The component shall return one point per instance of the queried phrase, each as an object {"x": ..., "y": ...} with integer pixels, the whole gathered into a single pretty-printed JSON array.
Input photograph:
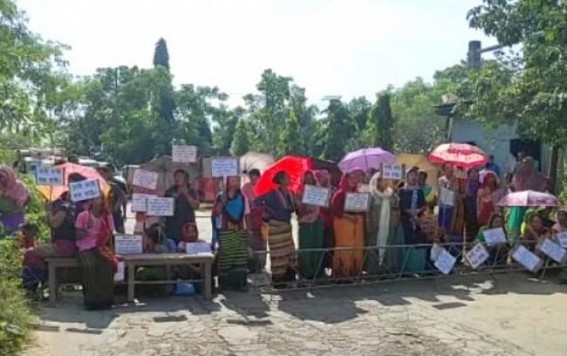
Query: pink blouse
[{"x": 94, "y": 227}]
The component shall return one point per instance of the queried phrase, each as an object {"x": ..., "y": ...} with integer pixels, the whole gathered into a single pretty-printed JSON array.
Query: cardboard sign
[
  {"x": 446, "y": 197},
  {"x": 49, "y": 175},
  {"x": 184, "y": 154},
  {"x": 224, "y": 167},
  {"x": 357, "y": 202},
  {"x": 157, "y": 206},
  {"x": 477, "y": 256},
  {"x": 317, "y": 196},
  {"x": 195, "y": 248},
  {"x": 494, "y": 236},
  {"x": 120, "y": 272},
  {"x": 392, "y": 171},
  {"x": 128, "y": 244},
  {"x": 527, "y": 259},
  {"x": 562, "y": 238},
  {"x": 84, "y": 190},
  {"x": 140, "y": 202},
  {"x": 553, "y": 251},
  {"x": 145, "y": 179},
  {"x": 435, "y": 251},
  {"x": 445, "y": 261}
]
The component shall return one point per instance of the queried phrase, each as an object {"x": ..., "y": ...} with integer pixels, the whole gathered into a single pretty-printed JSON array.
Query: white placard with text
[
  {"x": 145, "y": 179},
  {"x": 357, "y": 202},
  {"x": 477, "y": 256},
  {"x": 49, "y": 175},
  {"x": 84, "y": 190},
  {"x": 446, "y": 197},
  {"x": 445, "y": 261},
  {"x": 562, "y": 239},
  {"x": 317, "y": 196},
  {"x": 158, "y": 206},
  {"x": 140, "y": 202},
  {"x": 125, "y": 244},
  {"x": 195, "y": 248},
  {"x": 494, "y": 237},
  {"x": 120, "y": 272},
  {"x": 553, "y": 251},
  {"x": 527, "y": 258},
  {"x": 392, "y": 171},
  {"x": 224, "y": 167},
  {"x": 184, "y": 154}
]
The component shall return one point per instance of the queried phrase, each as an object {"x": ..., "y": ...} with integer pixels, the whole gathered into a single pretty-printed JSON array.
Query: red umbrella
[
  {"x": 461, "y": 155},
  {"x": 295, "y": 167}
]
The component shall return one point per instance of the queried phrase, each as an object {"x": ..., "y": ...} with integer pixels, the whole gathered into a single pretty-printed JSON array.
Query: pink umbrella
[
  {"x": 461, "y": 155},
  {"x": 529, "y": 198},
  {"x": 366, "y": 158}
]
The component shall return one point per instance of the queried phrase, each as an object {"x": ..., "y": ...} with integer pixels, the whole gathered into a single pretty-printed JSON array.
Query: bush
[{"x": 15, "y": 308}]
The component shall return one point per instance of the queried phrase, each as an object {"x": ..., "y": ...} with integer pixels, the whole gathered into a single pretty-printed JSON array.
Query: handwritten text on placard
[
  {"x": 140, "y": 201},
  {"x": 145, "y": 179},
  {"x": 84, "y": 190},
  {"x": 494, "y": 236},
  {"x": 224, "y": 167},
  {"x": 445, "y": 262},
  {"x": 128, "y": 244},
  {"x": 392, "y": 171},
  {"x": 357, "y": 202},
  {"x": 184, "y": 154},
  {"x": 317, "y": 196},
  {"x": 160, "y": 206},
  {"x": 477, "y": 256},
  {"x": 562, "y": 238},
  {"x": 527, "y": 258},
  {"x": 553, "y": 251},
  {"x": 197, "y": 248},
  {"x": 49, "y": 175}
]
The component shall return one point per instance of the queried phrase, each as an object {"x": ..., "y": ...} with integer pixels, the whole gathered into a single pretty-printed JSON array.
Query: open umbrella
[
  {"x": 295, "y": 167},
  {"x": 366, "y": 158},
  {"x": 255, "y": 160},
  {"x": 51, "y": 193},
  {"x": 461, "y": 155},
  {"x": 529, "y": 198}
]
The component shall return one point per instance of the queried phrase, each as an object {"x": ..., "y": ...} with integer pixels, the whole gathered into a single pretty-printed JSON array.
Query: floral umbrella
[
  {"x": 461, "y": 155},
  {"x": 529, "y": 198},
  {"x": 366, "y": 158}
]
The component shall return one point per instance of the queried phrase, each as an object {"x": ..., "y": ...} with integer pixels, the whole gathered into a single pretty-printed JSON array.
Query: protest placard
[
  {"x": 196, "y": 248},
  {"x": 446, "y": 197},
  {"x": 562, "y": 238},
  {"x": 49, "y": 175},
  {"x": 157, "y": 206},
  {"x": 128, "y": 244},
  {"x": 84, "y": 190},
  {"x": 184, "y": 154},
  {"x": 392, "y": 171},
  {"x": 317, "y": 196},
  {"x": 140, "y": 201},
  {"x": 527, "y": 259},
  {"x": 224, "y": 167},
  {"x": 477, "y": 256},
  {"x": 553, "y": 251},
  {"x": 445, "y": 262},
  {"x": 119, "y": 275},
  {"x": 494, "y": 236},
  {"x": 357, "y": 202},
  {"x": 145, "y": 179}
]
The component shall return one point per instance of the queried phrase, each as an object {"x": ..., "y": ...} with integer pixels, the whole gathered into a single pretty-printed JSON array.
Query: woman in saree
[
  {"x": 230, "y": 212},
  {"x": 428, "y": 191},
  {"x": 472, "y": 185},
  {"x": 310, "y": 234},
  {"x": 280, "y": 205},
  {"x": 256, "y": 243},
  {"x": 326, "y": 214},
  {"x": 452, "y": 213},
  {"x": 13, "y": 200},
  {"x": 349, "y": 231},
  {"x": 186, "y": 202},
  {"x": 380, "y": 223},
  {"x": 527, "y": 178},
  {"x": 94, "y": 230},
  {"x": 412, "y": 206},
  {"x": 535, "y": 233},
  {"x": 488, "y": 196},
  {"x": 560, "y": 225}
]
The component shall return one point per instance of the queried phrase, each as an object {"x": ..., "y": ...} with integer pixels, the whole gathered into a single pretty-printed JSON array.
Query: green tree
[
  {"x": 290, "y": 140},
  {"x": 241, "y": 140},
  {"x": 161, "y": 54},
  {"x": 526, "y": 87},
  {"x": 382, "y": 122},
  {"x": 336, "y": 129}
]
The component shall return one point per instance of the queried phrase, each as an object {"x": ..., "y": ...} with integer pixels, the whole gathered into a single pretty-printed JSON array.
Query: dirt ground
[{"x": 498, "y": 315}]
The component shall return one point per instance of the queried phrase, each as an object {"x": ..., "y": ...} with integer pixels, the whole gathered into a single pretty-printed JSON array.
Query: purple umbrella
[
  {"x": 529, "y": 198},
  {"x": 366, "y": 158}
]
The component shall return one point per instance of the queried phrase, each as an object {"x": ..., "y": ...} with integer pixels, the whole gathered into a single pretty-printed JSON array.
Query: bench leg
[
  {"x": 52, "y": 282},
  {"x": 131, "y": 281},
  {"x": 206, "y": 274}
]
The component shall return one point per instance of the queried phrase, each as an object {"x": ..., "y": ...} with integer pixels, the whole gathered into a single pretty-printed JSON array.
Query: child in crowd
[
  {"x": 190, "y": 235},
  {"x": 28, "y": 237}
]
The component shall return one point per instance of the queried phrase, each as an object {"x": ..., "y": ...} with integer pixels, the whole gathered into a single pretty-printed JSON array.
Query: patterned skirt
[
  {"x": 282, "y": 251},
  {"x": 232, "y": 258}
]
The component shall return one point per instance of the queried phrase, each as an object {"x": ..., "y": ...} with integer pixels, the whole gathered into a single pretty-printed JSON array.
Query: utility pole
[{"x": 474, "y": 58}]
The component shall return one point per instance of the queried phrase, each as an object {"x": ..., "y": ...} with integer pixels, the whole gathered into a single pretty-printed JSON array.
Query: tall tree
[
  {"x": 241, "y": 140},
  {"x": 290, "y": 141},
  {"x": 383, "y": 122},
  {"x": 161, "y": 54},
  {"x": 337, "y": 129}
]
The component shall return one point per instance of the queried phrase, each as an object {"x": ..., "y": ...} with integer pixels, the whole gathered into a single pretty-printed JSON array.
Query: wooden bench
[{"x": 131, "y": 262}]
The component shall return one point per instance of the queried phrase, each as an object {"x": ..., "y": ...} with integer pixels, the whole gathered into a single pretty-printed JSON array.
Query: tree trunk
[{"x": 553, "y": 165}]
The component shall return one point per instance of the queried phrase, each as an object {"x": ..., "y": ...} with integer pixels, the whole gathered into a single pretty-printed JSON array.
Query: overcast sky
[{"x": 330, "y": 47}]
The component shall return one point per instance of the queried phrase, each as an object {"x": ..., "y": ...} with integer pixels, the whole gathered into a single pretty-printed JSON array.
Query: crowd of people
[{"x": 404, "y": 219}]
